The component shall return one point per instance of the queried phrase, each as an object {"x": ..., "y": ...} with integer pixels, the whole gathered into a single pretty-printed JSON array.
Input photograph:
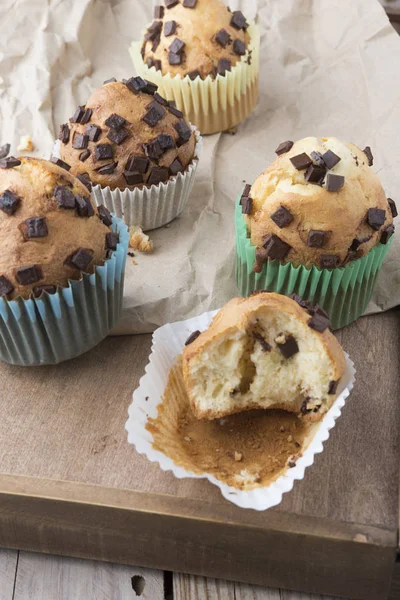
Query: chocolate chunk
[
  {"x": 117, "y": 136},
  {"x": 84, "y": 155},
  {"x": 317, "y": 158},
  {"x": 184, "y": 132},
  {"x": 158, "y": 175},
  {"x": 156, "y": 43},
  {"x": 176, "y": 167},
  {"x": 154, "y": 115},
  {"x": 6, "y": 287},
  {"x": 158, "y": 12},
  {"x": 84, "y": 207},
  {"x": 65, "y": 198},
  {"x": 239, "y": 47},
  {"x": 282, "y": 217},
  {"x": 107, "y": 169},
  {"x": 358, "y": 241},
  {"x": 166, "y": 141},
  {"x": 189, "y": 3},
  {"x": 223, "y": 38},
  {"x": 246, "y": 192},
  {"x": 157, "y": 64},
  {"x": 261, "y": 257},
  {"x": 368, "y": 153},
  {"x": 64, "y": 133},
  {"x": 80, "y": 142},
  {"x": 158, "y": 98},
  {"x": 114, "y": 121},
  {"x": 264, "y": 344},
  {"x": 93, "y": 132},
  {"x": 276, "y": 248},
  {"x": 319, "y": 320},
  {"x": 103, "y": 152},
  {"x": 192, "y": 337},
  {"x": 194, "y": 74},
  {"x": 9, "y": 202},
  {"x": 330, "y": 159},
  {"x": 289, "y": 348},
  {"x": 111, "y": 80},
  {"x": 329, "y": 261},
  {"x": 105, "y": 215},
  {"x": 138, "y": 164},
  {"x": 137, "y": 84},
  {"x": 112, "y": 240},
  {"x": 133, "y": 178},
  {"x": 387, "y": 234},
  {"x": 224, "y": 64},
  {"x": 41, "y": 289},
  {"x": 153, "y": 150},
  {"x": 376, "y": 218},
  {"x": 177, "y": 46},
  {"x": 355, "y": 158},
  {"x": 78, "y": 115},
  {"x": 171, "y": 3},
  {"x": 304, "y": 410},
  {"x": 85, "y": 179},
  {"x": 150, "y": 62},
  {"x": 29, "y": 275},
  {"x": 334, "y": 182},
  {"x": 315, "y": 174},
  {"x": 284, "y": 147},
  {"x": 36, "y": 227},
  {"x": 393, "y": 208},
  {"x": 169, "y": 28},
  {"x": 175, "y": 111},
  {"x": 301, "y": 161},
  {"x": 333, "y": 385},
  {"x": 247, "y": 205},
  {"x": 238, "y": 20},
  {"x": 9, "y": 162},
  {"x": 306, "y": 304},
  {"x": 317, "y": 238},
  {"x": 81, "y": 259},
  {"x": 153, "y": 32},
  {"x": 174, "y": 59},
  {"x": 87, "y": 115},
  {"x": 60, "y": 163}
]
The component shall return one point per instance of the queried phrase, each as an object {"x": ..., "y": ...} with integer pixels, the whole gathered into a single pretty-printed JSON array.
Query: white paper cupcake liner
[
  {"x": 168, "y": 344},
  {"x": 213, "y": 104}
]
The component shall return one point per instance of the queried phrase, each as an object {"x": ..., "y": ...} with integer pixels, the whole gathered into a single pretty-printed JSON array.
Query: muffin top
[
  {"x": 127, "y": 136},
  {"x": 195, "y": 38},
  {"x": 319, "y": 203},
  {"x": 50, "y": 228}
]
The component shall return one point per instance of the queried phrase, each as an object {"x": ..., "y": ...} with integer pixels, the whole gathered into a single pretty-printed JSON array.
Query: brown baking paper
[{"x": 330, "y": 67}]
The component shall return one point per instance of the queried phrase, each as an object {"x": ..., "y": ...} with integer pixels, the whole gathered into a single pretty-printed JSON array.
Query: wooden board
[{"x": 71, "y": 485}]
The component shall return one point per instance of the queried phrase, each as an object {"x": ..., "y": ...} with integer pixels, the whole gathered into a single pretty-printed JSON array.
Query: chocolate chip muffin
[
  {"x": 51, "y": 229},
  {"x": 127, "y": 136},
  {"x": 196, "y": 38},
  {"x": 320, "y": 211}
]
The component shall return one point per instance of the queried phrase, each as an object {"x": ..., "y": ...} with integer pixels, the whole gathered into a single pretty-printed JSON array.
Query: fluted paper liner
[
  {"x": 343, "y": 292},
  {"x": 57, "y": 327},
  {"x": 213, "y": 104},
  {"x": 168, "y": 344}
]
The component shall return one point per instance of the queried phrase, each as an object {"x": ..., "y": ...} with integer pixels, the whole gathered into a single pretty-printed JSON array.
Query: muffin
[
  {"x": 137, "y": 150},
  {"x": 264, "y": 352},
  {"x": 61, "y": 268},
  {"x": 316, "y": 223},
  {"x": 204, "y": 57}
]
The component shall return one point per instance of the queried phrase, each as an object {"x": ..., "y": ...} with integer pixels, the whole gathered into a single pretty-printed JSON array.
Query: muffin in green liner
[{"x": 315, "y": 229}]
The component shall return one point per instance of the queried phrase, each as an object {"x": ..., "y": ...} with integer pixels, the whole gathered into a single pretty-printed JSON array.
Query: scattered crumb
[
  {"x": 134, "y": 261},
  {"x": 231, "y": 131},
  {"x": 131, "y": 254},
  {"x": 139, "y": 240},
  {"x": 292, "y": 464},
  {"x": 238, "y": 456},
  {"x": 147, "y": 398},
  {"x": 280, "y": 339},
  {"x": 25, "y": 144}
]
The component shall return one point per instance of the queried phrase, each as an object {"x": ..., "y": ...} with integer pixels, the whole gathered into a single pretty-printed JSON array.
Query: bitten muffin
[
  {"x": 196, "y": 38},
  {"x": 51, "y": 230},
  {"x": 127, "y": 136},
  {"x": 319, "y": 203},
  {"x": 266, "y": 351}
]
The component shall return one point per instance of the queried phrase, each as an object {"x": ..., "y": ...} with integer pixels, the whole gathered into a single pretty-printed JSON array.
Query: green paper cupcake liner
[
  {"x": 343, "y": 292},
  {"x": 60, "y": 326}
]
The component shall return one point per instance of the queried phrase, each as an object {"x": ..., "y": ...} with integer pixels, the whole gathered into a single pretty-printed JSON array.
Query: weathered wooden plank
[
  {"x": 61, "y": 578},
  {"x": 253, "y": 592},
  {"x": 8, "y": 569},
  {"x": 190, "y": 587}
]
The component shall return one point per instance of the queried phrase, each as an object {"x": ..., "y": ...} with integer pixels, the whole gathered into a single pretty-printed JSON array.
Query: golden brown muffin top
[
  {"x": 127, "y": 136},
  {"x": 319, "y": 203},
  {"x": 195, "y": 38},
  {"x": 51, "y": 230}
]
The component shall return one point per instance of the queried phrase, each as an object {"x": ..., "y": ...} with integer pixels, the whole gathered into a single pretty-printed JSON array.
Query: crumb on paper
[
  {"x": 238, "y": 456},
  {"x": 25, "y": 144},
  {"x": 131, "y": 254},
  {"x": 231, "y": 131},
  {"x": 139, "y": 240},
  {"x": 133, "y": 261}
]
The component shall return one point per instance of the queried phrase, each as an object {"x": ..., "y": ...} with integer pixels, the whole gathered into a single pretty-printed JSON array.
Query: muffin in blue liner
[{"x": 60, "y": 326}]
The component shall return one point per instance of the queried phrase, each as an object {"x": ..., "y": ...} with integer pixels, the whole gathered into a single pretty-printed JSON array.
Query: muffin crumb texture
[
  {"x": 51, "y": 230},
  {"x": 320, "y": 203},
  {"x": 127, "y": 136},
  {"x": 196, "y": 38}
]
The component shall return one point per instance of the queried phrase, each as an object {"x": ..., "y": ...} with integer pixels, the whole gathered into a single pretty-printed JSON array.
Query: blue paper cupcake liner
[{"x": 57, "y": 327}]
